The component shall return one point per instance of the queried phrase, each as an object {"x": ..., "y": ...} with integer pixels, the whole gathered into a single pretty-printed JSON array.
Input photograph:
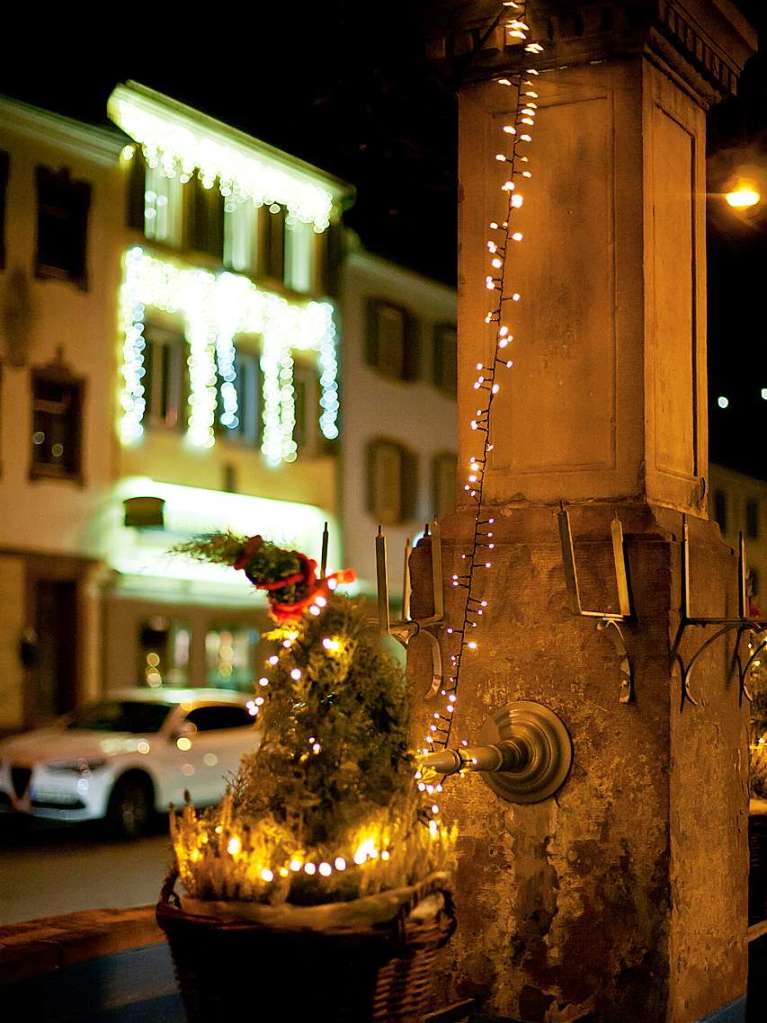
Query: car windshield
[{"x": 120, "y": 716}]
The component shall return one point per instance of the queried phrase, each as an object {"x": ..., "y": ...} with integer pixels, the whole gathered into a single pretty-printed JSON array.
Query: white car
[{"x": 128, "y": 755}]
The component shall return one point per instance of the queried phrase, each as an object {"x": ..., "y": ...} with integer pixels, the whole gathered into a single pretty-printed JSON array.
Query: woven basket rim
[{"x": 329, "y": 918}]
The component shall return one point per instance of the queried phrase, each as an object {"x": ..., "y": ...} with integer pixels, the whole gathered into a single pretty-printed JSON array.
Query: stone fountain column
[{"x": 624, "y": 897}]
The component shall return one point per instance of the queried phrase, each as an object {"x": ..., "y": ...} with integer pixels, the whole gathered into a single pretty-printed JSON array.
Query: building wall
[
  {"x": 414, "y": 413},
  {"x": 46, "y": 540},
  {"x": 738, "y": 491}
]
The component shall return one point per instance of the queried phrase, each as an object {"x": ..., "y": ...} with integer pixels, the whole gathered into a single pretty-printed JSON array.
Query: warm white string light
[
  {"x": 478, "y": 559},
  {"x": 214, "y": 308}
]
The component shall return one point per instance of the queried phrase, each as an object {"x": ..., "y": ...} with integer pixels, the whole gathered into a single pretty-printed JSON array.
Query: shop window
[
  {"x": 164, "y": 649},
  {"x": 273, "y": 230},
  {"x": 57, "y": 401},
  {"x": 4, "y": 168},
  {"x": 752, "y": 520},
  {"x": 300, "y": 257},
  {"x": 164, "y": 377},
  {"x": 240, "y": 400},
  {"x": 307, "y": 408},
  {"x": 241, "y": 236},
  {"x": 163, "y": 207},
  {"x": 391, "y": 482},
  {"x": 213, "y": 719},
  {"x": 720, "y": 509},
  {"x": 230, "y": 656},
  {"x": 206, "y": 218},
  {"x": 392, "y": 340},
  {"x": 62, "y": 226},
  {"x": 445, "y": 358},
  {"x": 444, "y": 469}
]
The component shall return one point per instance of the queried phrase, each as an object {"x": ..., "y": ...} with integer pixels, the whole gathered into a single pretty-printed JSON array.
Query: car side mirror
[{"x": 185, "y": 730}]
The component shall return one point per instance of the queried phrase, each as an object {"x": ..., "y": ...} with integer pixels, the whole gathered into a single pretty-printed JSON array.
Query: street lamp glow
[{"x": 742, "y": 198}]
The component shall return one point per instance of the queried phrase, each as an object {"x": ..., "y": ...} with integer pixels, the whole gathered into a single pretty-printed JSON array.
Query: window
[
  {"x": 444, "y": 469},
  {"x": 57, "y": 401},
  {"x": 273, "y": 225},
  {"x": 445, "y": 358},
  {"x": 300, "y": 257},
  {"x": 392, "y": 340},
  {"x": 239, "y": 400},
  {"x": 720, "y": 509},
  {"x": 211, "y": 719},
  {"x": 120, "y": 716},
  {"x": 4, "y": 168},
  {"x": 752, "y": 519},
  {"x": 164, "y": 650},
  {"x": 62, "y": 226},
  {"x": 241, "y": 236},
  {"x": 392, "y": 483},
  {"x": 163, "y": 207},
  {"x": 306, "y": 406},
  {"x": 206, "y": 218},
  {"x": 753, "y": 582},
  {"x": 164, "y": 377},
  {"x": 230, "y": 656}
]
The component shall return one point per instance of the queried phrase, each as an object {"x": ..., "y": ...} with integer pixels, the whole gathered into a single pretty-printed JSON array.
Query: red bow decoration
[{"x": 306, "y": 578}]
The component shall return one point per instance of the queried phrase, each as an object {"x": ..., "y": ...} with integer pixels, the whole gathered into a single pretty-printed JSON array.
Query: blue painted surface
[
  {"x": 129, "y": 987},
  {"x": 735, "y": 1012}
]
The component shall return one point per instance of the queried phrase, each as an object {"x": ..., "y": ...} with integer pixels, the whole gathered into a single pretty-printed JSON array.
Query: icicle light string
[{"x": 504, "y": 237}]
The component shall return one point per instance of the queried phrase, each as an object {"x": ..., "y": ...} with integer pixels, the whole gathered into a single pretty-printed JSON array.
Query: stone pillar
[{"x": 624, "y": 897}]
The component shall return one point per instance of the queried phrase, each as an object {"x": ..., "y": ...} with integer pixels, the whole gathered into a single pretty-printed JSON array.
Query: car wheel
[{"x": 130, "y": 807}]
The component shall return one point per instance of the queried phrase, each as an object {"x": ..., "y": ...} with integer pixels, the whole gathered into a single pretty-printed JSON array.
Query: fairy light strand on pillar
[{"x": 504, "y": 236}]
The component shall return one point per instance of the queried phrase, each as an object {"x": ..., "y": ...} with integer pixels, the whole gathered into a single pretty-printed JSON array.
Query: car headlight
[{"x": 77, "y": 766}]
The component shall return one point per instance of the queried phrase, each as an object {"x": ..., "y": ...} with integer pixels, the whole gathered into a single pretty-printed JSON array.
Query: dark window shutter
[
  {"x": 752, "y": 520},
  {"x": 371, "y": 333},
  {"x": 409, "y": 501},
  {"x": 206, "y": 228},
  {"x": 136, "y": 190},
  {"x": 411, "y": 368},
  {"x": 62, "y": 226},
  {"x": 720, "y": 509},
  {"x": 330, "y": 257},
  {"x": 274, "y": 244},
  {"x": 4, "y": 168}
]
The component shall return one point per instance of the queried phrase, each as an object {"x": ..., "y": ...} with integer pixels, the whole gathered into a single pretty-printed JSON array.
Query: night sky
[{"x": 346, "y": 86}]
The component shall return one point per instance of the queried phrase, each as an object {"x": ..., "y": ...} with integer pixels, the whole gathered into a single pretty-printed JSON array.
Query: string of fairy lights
[{"x": 504, "y": 236}]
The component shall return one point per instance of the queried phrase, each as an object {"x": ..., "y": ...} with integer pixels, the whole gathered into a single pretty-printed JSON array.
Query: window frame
[
  {"x": 446, "y": 386},
  {"x": 244, "y": 349},
  {"x": 173, "y": 338},
  {"x": 409, "y": 368},
  {"x": 407, "y": 509},
  {"x": 76, "y": 211},
  {"x": 60, "y": 374},
  {"x": 438, "y": 459}
]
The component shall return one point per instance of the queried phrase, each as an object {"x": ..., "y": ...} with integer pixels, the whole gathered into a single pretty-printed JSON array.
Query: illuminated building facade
[
  {"x": 227, "y": 391},
  {"x": 399, "y": 408},
  {"x": 60, "y": 227},
  {"x": 738, "y": 504}
]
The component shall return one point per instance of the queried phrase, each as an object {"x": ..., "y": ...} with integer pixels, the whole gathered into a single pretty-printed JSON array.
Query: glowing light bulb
[
  {"x": 325, "y": 869},
  {"x": 340, "y": 863},
  {"x": 234, "y": 845},
  {"x": 267, "y": 875},
  {"x": 742, "y": 197},
  {"x": 722, "y": 402},
  {"x": 295, "y": 674}
]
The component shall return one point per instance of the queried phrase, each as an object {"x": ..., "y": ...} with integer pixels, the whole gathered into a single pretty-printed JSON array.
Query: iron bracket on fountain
[
  {"x": 755, "y": 629},
  {"x": 525, "y": 753},
  {"x": 608, "y": 621},
  {"x": 406, "y": 628}
]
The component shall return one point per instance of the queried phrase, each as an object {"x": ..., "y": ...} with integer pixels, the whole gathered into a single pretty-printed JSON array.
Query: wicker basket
[{"x": 229, "y": 968}]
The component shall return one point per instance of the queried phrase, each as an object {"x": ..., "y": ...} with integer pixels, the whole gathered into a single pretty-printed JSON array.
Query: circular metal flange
[{"x": 547, "y": 743}]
